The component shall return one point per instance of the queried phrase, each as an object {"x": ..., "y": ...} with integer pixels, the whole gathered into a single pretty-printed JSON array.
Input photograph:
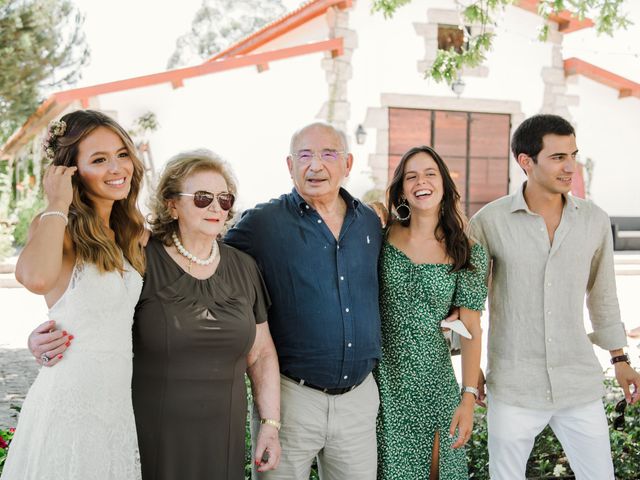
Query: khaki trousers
[{"x": 338, "y": 430}]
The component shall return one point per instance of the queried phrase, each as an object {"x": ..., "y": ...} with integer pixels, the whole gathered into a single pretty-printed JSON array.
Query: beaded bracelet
[{"x": 57, "y": 214}]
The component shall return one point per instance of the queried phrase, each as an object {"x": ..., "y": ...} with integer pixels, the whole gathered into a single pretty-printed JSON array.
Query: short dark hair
[{"x": 527, "y": 138}]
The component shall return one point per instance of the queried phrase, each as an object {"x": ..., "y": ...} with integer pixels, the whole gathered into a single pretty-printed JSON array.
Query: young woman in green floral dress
[{"x": 427, "y": 267}]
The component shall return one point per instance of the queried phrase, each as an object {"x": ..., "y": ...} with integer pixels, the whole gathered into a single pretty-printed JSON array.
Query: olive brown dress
[
  {"x": 418, "y": 388},
  {"x": 190, "y": 342}
]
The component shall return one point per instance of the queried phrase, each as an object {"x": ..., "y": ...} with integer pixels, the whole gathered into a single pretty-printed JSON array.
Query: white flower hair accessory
[{"x": 56, "y": 130}]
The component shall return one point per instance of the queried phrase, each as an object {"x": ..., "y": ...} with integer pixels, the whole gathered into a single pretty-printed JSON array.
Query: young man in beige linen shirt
[{"x": 549, "y": 249}]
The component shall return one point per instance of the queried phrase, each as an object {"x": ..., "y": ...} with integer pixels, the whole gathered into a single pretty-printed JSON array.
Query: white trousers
[{"x": 582, "y": 430}]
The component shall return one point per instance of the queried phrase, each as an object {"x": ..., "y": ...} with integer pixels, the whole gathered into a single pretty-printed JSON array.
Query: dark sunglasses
[
  {"x": 618, "y": 422},
  {"x": 202, "y": 199}
]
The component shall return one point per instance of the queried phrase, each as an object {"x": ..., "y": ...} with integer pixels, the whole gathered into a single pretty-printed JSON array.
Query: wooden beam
[
  {"x": 178, "y": 75},
  {"x": 625, "y": 87},
  {"x": 567, "y": 23},
  {"x": 280, "y": 27}
]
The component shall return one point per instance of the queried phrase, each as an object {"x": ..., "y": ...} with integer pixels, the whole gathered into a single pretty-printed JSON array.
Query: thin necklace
[{"x": 191, "y": 257}]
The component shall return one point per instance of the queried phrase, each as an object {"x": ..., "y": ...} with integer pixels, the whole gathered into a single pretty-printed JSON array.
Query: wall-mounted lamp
[
  {"x": 458, "y": 86},
  {"x": 361, "y": 134}
]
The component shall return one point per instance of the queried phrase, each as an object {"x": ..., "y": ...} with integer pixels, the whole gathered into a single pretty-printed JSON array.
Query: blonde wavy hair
[
  {"x": 177, "y": 169},
  {"x": 89, "y": 236}
]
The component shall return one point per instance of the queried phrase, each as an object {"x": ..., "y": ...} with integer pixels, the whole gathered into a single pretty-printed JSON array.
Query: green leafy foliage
[
  {"x": 41, "y": 47},
  {"x": 448, "y": 64},
  {"x": 26, "y": 209}
]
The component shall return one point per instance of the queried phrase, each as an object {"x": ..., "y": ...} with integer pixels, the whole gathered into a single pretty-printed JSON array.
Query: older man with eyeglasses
[{"x": 318, "y": 247}]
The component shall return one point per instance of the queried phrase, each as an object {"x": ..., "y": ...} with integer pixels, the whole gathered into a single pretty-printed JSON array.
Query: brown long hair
[
  {"x": 451, "y": 222},
  {"x": 90, "y": 239}
]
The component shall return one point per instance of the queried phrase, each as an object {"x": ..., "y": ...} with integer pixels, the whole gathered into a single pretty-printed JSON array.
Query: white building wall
[
  {"x": 244, "y": 116},
  {"x": 607, "y": 132},
  {"x": 390, "y": 49},
  {"x": 249, "y": 117}
]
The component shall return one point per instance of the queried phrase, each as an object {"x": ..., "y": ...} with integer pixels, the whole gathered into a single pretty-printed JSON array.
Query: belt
[{"x": 328, "y": 391}]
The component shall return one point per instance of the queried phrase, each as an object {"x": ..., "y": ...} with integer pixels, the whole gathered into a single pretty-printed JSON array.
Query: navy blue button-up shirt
[{"x": 324, "y": 316}]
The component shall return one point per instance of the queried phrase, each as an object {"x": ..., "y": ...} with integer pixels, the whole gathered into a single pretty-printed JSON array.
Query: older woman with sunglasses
[{"x": 199, "y": 325}]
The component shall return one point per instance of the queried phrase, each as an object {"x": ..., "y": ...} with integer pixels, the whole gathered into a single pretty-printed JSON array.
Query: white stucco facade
[{"x": 248, "y": 117}]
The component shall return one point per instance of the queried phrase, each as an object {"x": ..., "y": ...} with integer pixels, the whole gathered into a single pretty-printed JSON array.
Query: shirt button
[
  {"x": 349, "y": 344},
  {"x": 319, "y": 221},
  {"x": 345, "y": 377},
  {"x": 338, "y": 247},
  {"x": 307, "y": 207},
  {"x": 549, "y": 340},
  {"x": 341, "y": 277},
  {"x": 548, "y": 391},
  {"x": 550, "y": 368},
  {"x": 548, "y": 284},
  {"x": 542, "y": 229},
  {"x": 346, "y": 309},
  {"x": 549, "y": 312}
]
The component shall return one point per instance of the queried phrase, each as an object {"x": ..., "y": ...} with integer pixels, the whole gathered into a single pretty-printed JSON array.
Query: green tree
[
  {"x": 219, "y": 23},
  {"x": 41, "y": 47},
  {"x": 607, "y": 14}
]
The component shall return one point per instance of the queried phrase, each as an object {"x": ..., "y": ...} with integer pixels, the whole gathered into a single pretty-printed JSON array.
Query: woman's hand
[
  {"x": 47, "y": 340},
  {"x": 58, "y": 187},
  {"x": 463, "y": 420},
  {"x": 267, "y": 448}
]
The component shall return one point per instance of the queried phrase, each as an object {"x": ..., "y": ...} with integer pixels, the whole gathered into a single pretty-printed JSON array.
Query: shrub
[
  {"x": 5, "y": 440},
  {"x": 26, "y": 209}
]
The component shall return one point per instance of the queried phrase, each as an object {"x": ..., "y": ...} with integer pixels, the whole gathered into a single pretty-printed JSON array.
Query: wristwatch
[
  {"x": 472, "y": 390},
  {"x": 621, "y": 358}
]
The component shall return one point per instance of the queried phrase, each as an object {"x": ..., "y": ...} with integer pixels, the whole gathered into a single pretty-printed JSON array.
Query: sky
[
  {"x": 136, "y": 37},
  {"x": 128, "y": 38}
]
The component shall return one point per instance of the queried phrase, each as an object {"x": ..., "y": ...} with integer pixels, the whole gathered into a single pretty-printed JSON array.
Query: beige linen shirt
[{"x": 540, "y": 355}]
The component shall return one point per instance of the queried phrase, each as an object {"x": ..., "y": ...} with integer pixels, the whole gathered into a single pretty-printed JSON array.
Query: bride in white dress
[{"x": 84, "y": 256}]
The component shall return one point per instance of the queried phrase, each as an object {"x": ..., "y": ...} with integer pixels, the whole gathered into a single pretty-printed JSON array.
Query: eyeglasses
[
  {"x": 326, "y": 155},
  {"x": 203, "y": 199},
  {"x": 618, "y": 422}
]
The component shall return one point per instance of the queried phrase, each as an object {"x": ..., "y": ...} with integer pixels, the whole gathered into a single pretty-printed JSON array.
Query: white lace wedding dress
[{"x": 77, "y": 420}]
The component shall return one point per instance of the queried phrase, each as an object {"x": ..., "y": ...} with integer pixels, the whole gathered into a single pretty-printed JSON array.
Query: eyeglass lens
[{"x": 203, "y": 199}]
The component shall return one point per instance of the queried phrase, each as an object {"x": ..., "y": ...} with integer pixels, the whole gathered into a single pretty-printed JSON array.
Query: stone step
[
  {"x": 631, "y": 258},
  {"x": 628, "y": 269}
]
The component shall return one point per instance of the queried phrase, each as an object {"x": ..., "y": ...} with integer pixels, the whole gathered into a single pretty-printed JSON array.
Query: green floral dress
[{"x": 418, "y": 388}]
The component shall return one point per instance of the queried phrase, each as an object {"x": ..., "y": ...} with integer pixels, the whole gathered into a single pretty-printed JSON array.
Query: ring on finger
[{"x": 45, "y": 358}]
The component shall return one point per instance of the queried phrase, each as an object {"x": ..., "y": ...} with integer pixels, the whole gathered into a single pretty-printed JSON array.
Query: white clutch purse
[{"x": 456, "y": 330}]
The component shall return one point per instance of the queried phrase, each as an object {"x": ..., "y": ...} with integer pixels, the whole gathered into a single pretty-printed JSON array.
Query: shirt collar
[
  {"x": 302, "y": 206},
  {"x": 518, "y": 203}
]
